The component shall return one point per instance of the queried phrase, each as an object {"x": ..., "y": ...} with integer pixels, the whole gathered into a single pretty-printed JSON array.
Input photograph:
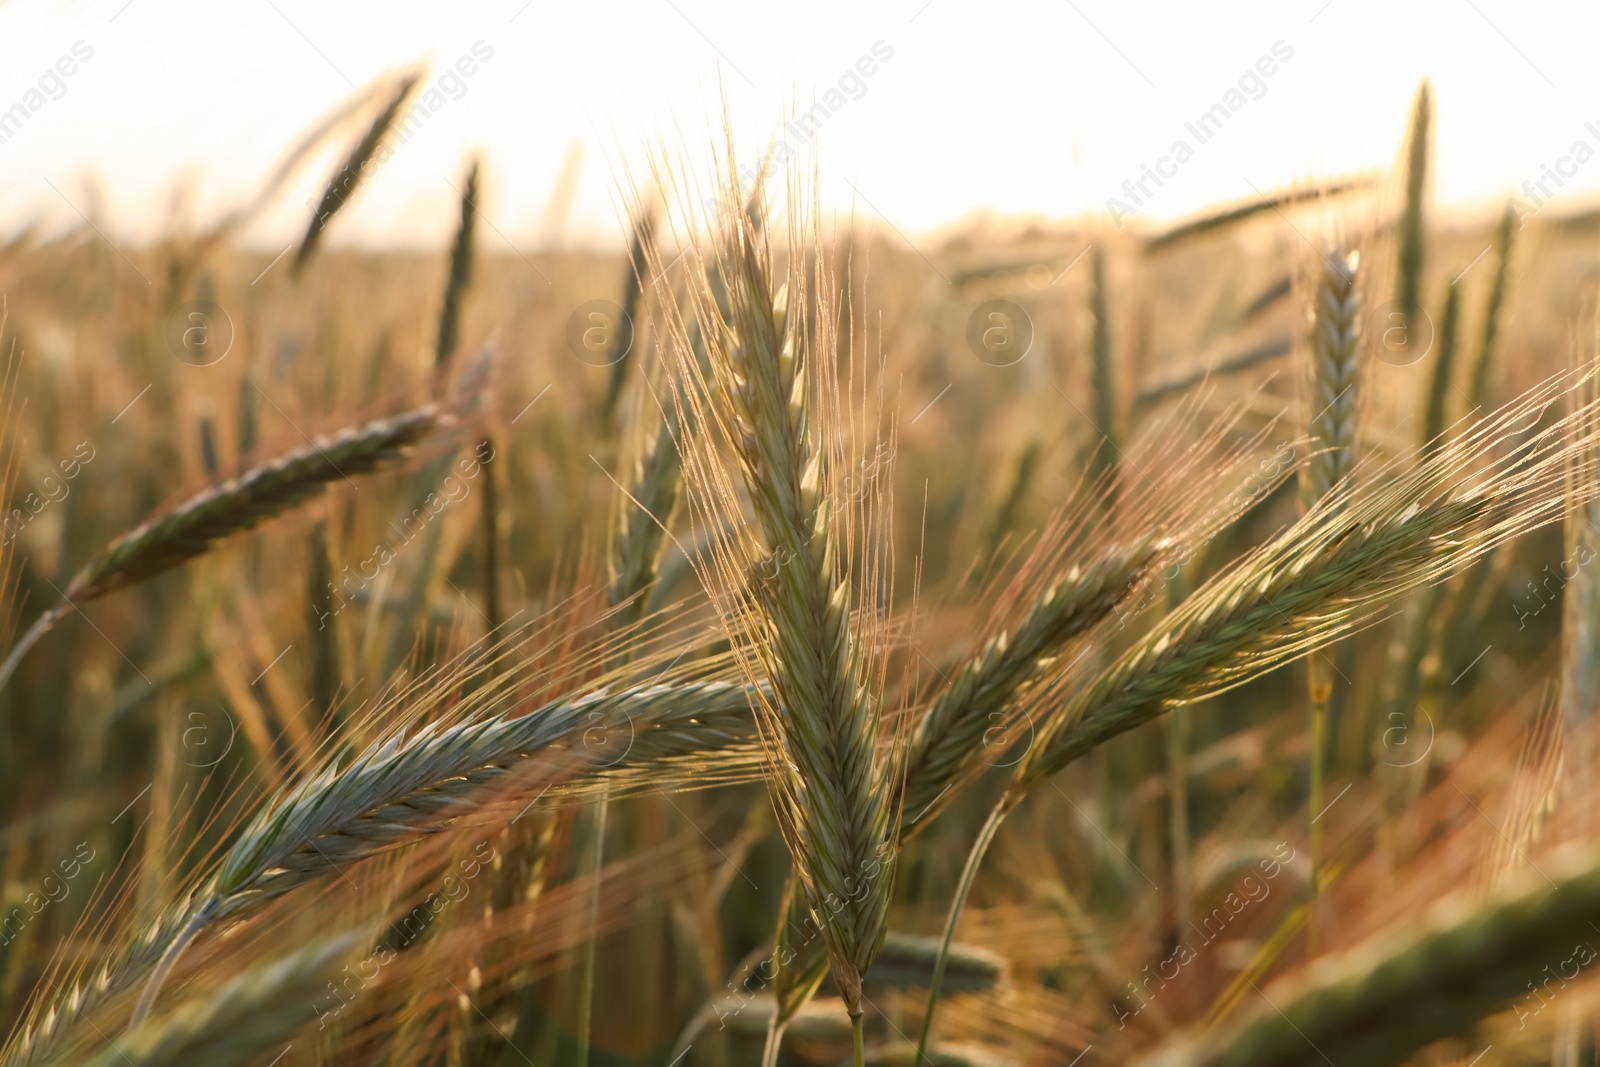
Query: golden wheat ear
[{"x": 196, "y": 525}]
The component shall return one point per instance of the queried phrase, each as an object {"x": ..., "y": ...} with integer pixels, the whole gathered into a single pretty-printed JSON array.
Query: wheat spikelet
[
  {"x": 1328, "y": 574},
  {"x": 632, "y": 290},
  {"x": 460, "y": 273},
  {"x": 191, "y": 528},
  {"x": 949, "y": 738},
  {"x": 1335, "y": 374},
  {"x": 1386, "y": 999},
  {"x": 342, "y": 186},
  {"x": 411, "y": 785},
  {"x": 771, "y": 358}
]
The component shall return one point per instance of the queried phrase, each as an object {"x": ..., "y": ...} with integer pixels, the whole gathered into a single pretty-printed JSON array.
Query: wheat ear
[
  {"x": 654, "y": 491},
  {"x": 1408, "y": 266},
  {"x": 1102, "y": 376},
  {"x": 342, "y": 186},
  {"x": 1335, "y": 374},
  {"x": 772, "y": 362},
  {"x": 1256, "y": 205},
  {"x": 632, "y": 290},
  {"x": 460, "y": 273},
  {"x": 1433, "y": 415},
  {"x": 1331, "y": 428},
  {"x": 412, "y": 785},
  {"x": 191, "y": 528},
  {"x": 949, "y": 739},
  {"x": 1005, "y": 516},
  {"x": 1388, "y": 998},
  {"x": 1325, "y": 576},
  {"x": 403, "y": 789},
  {"x": 1580, "y": 606}
]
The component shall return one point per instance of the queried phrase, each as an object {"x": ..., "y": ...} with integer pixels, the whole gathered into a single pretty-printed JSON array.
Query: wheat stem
[{"x": 969, "y": 873}]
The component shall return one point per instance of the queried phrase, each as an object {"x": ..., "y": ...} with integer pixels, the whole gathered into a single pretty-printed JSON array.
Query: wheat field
[{"x": 782, "y": 644}]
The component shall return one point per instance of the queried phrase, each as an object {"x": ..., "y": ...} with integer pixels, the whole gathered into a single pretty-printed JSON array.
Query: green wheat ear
[
  {"x": 764, "y": 398},
  {"x": 193, "y": 527}
]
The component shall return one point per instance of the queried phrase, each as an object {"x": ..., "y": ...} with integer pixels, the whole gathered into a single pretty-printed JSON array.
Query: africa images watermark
[
  {"x": 1254, "y": 889},
  {"x": 406, "y": 931},
  {"x": 1566, "y": 166},
  {"x": 850, "y": 86},
  {"x": 451, "y": 490},
  {"x": 16, "y": 919},
  {"x": 447, "y": 87},
  {"x": 52, "y": 85},
  {"x": 1206, "y": 126}
]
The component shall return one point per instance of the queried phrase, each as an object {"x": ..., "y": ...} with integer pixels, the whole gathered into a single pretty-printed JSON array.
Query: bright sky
[{"x": 1018, "y": 107}]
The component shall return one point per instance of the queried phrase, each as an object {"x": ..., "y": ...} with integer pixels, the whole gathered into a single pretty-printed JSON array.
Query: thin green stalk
[
  {"x": 1478, "y": 389},
  {"x": 856, "y": 1038},
  {"x": 586, "y": 983},
  {"x": 490, "y": 518},
  {"x": 775, "y": 1029},
  {"x": 1179, "y": 728},
  {"x": 969, "y": 873},
  {"x": 1321, "y": 684}
]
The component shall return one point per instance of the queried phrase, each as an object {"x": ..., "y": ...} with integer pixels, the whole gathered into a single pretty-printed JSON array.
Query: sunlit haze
[{"x": 1010, "y": 107}]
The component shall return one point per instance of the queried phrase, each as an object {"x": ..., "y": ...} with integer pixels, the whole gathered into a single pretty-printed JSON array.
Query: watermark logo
[
  {"x": 600, "y": 333},
  {"x": 1000, "y": 333},
  {"x": 1397, "y": 339},
  {"x": 200, "y": 333},
  {"x": 208, "y": 733},
  {"x": 1251, "y": 85},
  {"x": 1000, "y": 739},
  {"x": 1403, "y": 744}
]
